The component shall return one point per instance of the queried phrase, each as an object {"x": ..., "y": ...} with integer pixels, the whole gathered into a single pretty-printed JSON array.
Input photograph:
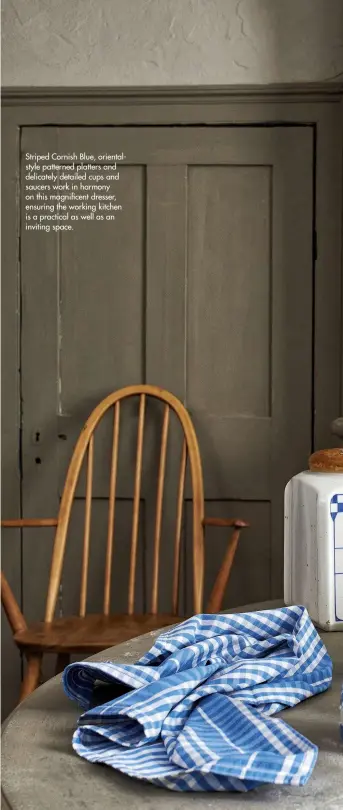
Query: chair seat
[{"x": 90, "y": 634}]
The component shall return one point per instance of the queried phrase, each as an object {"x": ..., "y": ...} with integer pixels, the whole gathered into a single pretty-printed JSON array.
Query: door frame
[{"x": 317, "y": 105}]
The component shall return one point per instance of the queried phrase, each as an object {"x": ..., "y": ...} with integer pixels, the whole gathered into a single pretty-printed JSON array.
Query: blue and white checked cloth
[{"x": 196, "y": 714}]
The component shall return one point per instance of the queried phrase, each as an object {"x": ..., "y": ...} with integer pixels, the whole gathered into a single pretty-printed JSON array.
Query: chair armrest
[
  {"x": 212, "y": 521},
  {"x": 22, "y": 523},
  {"x": 216, "y": 597}
]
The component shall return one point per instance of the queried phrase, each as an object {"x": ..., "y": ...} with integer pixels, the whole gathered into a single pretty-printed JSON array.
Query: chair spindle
[
  {"x": 179, "y": 526},
  {"x": 86, "y": 536},
  {"x": 111, "y": 510},
  {"x": 136, "y": 503},
  {"x": 159, "y": 502}
]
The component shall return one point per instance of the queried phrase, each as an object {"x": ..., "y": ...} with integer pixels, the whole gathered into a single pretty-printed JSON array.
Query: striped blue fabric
[{"x": 197, "y": 709}]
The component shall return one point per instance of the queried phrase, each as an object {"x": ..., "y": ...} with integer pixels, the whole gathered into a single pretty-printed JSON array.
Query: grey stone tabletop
[{"x": 40, "y": 770}]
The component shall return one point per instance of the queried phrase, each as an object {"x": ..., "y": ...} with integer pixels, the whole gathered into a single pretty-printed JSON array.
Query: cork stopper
[{"x": 327, "y": 461}]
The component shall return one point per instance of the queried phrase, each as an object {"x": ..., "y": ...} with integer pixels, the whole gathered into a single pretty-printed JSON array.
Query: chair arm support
[
  {"x": 9, "y": 602},
  {"x": 216, "y": 597},
  {"x": 22, "y": 523},
  {"x": 11, "y": 607}
]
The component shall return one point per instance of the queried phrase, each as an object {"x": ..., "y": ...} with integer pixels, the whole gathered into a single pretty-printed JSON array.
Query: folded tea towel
[{"x": 197, "y": 710}]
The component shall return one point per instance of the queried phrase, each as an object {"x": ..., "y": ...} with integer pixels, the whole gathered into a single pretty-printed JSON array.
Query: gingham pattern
[{"x": 198, "y": 713}]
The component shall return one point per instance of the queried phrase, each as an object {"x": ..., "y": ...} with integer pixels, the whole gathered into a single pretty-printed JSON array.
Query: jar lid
[{"x": 330, "y": 461}]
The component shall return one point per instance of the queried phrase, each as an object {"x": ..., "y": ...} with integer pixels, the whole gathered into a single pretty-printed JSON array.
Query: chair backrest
[{"x": 85, "y": 448}]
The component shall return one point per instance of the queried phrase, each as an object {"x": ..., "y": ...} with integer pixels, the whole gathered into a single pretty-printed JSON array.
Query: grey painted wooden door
[{"x": 203, "y": 286}]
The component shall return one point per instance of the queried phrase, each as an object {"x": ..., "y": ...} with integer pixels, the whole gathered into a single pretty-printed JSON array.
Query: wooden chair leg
[
  {"x": 31, "y": 677},
  {"x": 63, "y": 659}
]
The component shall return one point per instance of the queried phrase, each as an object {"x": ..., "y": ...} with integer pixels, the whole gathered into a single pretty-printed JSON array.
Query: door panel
[
  {"x": 229, "y": 309},
  {"x": 93, "y": 305},
  {"x": 203, "y": 286}
]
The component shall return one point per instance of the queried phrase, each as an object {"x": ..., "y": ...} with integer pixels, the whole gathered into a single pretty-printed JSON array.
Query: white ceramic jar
[{"x": 313, "y": 540}]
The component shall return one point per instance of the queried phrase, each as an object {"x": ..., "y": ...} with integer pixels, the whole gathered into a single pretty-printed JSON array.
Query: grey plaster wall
[{"x": 171, "y": 42}]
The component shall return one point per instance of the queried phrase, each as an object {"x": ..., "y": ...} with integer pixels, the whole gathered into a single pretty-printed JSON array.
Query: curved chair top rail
[{"x": 86, "y": 442}]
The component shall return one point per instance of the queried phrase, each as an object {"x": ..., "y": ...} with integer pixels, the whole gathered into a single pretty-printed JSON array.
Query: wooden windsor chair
[{"x": 90, "y": 633}]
